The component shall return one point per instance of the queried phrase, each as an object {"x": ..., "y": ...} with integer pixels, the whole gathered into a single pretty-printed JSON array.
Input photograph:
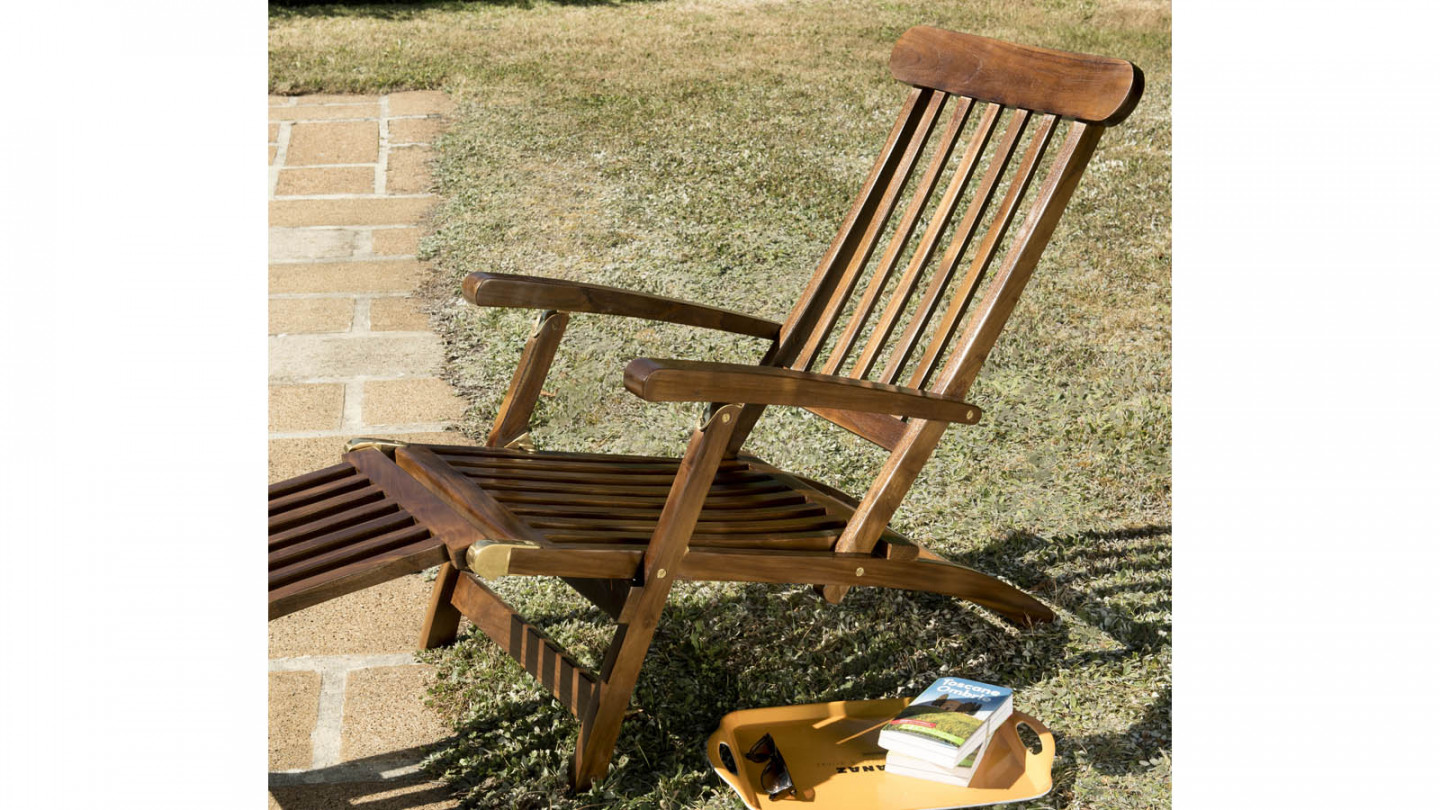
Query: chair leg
[
  {"x": 600, "y": 725},
  {"x": 442, "y": 619},
  {"x": 513, "y": 420}
]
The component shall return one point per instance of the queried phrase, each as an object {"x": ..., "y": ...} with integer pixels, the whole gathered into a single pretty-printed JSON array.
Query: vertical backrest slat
[
  {"x": 1041, "y": 88},
  {"x": 877, "y": 221},
  {"x": 891, "y": 257},
  {"x": 960, "y": 299},
  {"x": 964, "y": 232},
  {"x": 922, "y": 435},
  {"x": 928, "y": 242},
  {"x": 1004, "y": 291},
  {"x": 807, "y": 310}
]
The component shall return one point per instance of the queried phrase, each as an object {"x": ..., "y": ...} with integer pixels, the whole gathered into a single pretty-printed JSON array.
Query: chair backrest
[{"x": 983, "y": 114}]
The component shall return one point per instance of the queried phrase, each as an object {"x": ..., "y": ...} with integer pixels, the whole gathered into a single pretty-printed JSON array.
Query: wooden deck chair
[{"x": 622, "y": 529}]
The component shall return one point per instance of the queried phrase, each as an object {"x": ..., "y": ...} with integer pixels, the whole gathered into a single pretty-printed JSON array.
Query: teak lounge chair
[{"x": 622, "y": 529}]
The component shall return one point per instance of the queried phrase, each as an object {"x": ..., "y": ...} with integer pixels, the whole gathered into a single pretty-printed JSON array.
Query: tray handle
[
  {"x": 1034, "y": 763},
  {"x": 739, "y": 783}
]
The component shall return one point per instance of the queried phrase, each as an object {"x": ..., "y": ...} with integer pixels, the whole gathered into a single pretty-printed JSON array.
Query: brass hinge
[
  {"x": 521, "y": 442},
  {"x": 386, "y": 446},
  {"x": 490, "y": 559}
]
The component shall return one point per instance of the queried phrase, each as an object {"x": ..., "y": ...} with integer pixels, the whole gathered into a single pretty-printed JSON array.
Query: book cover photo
[{"x": 948, "y": 721}]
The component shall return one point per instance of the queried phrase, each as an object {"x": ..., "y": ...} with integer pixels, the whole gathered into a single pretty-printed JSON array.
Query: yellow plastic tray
[{"x": 833, "y": 754}]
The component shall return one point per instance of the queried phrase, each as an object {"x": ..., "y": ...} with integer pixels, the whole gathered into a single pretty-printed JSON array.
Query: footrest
[{"x": 356, "y": 524}]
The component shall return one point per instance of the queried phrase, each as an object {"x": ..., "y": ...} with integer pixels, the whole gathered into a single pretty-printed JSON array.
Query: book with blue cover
[{"x": 948, "y": 722}]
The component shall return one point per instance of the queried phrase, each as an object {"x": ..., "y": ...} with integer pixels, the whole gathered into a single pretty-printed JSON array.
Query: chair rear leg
[{"x": 442, "y": 619}]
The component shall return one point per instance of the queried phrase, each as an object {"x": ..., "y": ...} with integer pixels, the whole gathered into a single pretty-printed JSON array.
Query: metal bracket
[
  {"x": 522, "y": 442},
  {"x": 491, "y": 559},
  {"x": 386, "y": 446}
]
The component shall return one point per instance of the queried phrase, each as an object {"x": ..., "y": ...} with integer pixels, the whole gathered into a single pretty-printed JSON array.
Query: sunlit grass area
[{"x": 708, "y": 150}]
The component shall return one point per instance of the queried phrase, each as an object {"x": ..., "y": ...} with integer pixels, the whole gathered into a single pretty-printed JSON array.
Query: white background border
[{"x": 1306, "y": 444}]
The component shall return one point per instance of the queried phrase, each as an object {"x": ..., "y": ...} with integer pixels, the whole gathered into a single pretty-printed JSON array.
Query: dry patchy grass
[{"x": 707, "y": 150}]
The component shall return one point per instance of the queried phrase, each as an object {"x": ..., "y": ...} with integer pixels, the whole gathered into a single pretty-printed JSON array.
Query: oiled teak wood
[
  {"x": 500, "y": 290},
  {"x": 513, "y": 420},
  {"x": 885, "y": 341},
  {"x": 691, "y": 381}
]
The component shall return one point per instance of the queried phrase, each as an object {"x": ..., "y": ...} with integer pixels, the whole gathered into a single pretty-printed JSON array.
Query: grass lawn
[{"x": 707, "y": 150}]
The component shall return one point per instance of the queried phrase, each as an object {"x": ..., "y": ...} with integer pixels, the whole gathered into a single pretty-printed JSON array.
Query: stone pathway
[{"x": 350, "y": 355}]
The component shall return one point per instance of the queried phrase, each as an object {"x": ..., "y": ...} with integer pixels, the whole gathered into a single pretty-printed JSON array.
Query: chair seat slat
[
  {"x": 334, "y": 523},
  {"x": 314, "y": 546},
  {"x": 289, "y": 486},
  {"x": 745, "y": 501},
  {"x": 320, "y": 492},
  {"x": 411, "y": 536},
  {"x": 326, "y": 508}
]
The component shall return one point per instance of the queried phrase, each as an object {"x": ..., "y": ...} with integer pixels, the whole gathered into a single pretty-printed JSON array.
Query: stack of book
[{"x": 942, "y": 735}]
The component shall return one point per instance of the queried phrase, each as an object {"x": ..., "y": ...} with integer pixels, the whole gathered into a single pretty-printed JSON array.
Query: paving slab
[
  {"x": 397, "y": 315},
  {"x": 407, "y": 170},
  {"x": 327, "y": 113},
  {"x": 312, "y": 244},
  {"x": 334, "y": 98},
  {"x": 294, "y": 706},
  {"x": 420, "y": 102},
  {"x": 391, "y": 275},
  {"x": 308, "y": 315},
  {"x": 338, "y": 180},
  {"x": 385, "y": 711},
  {"x": 335, "y": 142},
  {"x": 306, "y": 407},
  {"x": 385, "y": 618},
  {"x": 408, "y": 402},
  {"x": 292, "y": 457},
  {"x": 415, "y": 130},
  {"x": 303, "y": 358},
  {"x": 373, "y": 211},
  {"x": 395, "y": 241},
  {"x": 411, "y": 793}
]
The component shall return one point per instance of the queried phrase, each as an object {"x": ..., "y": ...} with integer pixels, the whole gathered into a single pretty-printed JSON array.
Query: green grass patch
[{"x": 708, "y": 150}]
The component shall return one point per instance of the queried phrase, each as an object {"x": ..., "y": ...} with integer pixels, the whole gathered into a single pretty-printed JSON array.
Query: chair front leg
[
  {"x": 513, "y": 421},
  {"x": 600, "y": 724},
  {"x": 442, "y": 619}
]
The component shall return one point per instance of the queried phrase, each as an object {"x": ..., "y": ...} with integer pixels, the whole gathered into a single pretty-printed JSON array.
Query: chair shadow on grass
[
  {"x": 1119, "y": 582},
  {"x": 406, "y": 11},
  {"x": 722, "y": 647},
  {"x": 361, "y": 783}
]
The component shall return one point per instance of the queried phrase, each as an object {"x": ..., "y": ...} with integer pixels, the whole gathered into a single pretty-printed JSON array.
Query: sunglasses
[{"x": 775, "y": 779}]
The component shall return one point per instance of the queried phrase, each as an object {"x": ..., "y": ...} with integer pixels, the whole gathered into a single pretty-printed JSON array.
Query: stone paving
[{"x": 350, "y": 355}]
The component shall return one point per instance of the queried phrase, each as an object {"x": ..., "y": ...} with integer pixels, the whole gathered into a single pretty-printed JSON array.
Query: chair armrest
[
  {"x": 502, "y": 290},
  {"x": 688, "y": 381}
]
